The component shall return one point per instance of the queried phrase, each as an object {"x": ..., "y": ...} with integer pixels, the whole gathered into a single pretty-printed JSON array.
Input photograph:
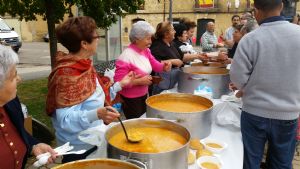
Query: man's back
[{"x": 269, "y": 59}]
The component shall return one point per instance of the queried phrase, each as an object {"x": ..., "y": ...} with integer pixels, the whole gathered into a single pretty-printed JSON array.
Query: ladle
[{"x": 135, "y": 137}]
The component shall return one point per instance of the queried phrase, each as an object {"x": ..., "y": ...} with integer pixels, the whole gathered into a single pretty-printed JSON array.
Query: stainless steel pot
[
  {"x": 97, "y": 164},
  {"x": 216, "y": 78},
  {"x": 198, "y": 123},
  {"x": 210, "y": 64},
  {"x": 176, "y": 159}
]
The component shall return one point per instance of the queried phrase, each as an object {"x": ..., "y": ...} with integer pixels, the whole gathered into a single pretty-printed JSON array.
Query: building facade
[{"x": 200, "y": 11}]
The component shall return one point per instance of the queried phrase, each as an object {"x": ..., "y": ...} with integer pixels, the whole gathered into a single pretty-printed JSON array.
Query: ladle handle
[{"x": 123, "y": 128}]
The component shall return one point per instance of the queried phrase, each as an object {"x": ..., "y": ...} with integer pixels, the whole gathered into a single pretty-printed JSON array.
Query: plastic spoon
[{"x": 42, "y": 160}]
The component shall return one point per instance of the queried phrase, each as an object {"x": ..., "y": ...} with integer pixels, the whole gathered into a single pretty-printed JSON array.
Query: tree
[{"x": 105, "y": 12}]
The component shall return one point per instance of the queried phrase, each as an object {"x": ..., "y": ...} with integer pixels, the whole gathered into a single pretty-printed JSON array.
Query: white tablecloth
[{"x": 232, "y": 156}]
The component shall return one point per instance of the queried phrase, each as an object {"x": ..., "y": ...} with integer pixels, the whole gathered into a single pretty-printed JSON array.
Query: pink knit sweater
[{"x": 142, "y": 62}]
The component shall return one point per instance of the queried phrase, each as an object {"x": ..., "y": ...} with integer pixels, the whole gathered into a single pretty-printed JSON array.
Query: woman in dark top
[{"x": 163, "y": 48}]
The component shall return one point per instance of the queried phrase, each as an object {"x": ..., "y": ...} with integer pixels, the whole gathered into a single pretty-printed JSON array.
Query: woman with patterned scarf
[{"x": 77, "y": 98}]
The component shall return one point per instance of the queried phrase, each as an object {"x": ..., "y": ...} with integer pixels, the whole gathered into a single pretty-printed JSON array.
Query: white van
[{"x": 9, "y": 36}]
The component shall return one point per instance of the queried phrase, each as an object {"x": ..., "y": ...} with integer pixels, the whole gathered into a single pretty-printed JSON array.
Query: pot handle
[
  {"x": 136, "y": 162},
  {"x": 176, "y": 121},
  {"x": 198, "y": 78}
]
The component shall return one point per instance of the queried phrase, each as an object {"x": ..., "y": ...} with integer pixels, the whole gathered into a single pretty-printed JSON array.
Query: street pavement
[{"x": 34, "y": 60}]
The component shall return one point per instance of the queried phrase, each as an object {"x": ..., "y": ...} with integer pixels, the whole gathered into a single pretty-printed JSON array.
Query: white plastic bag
[
  {"x": 228, "y": 114},
  {"x": 95, "y": 136},
  {"x": 110, "y": 73}
]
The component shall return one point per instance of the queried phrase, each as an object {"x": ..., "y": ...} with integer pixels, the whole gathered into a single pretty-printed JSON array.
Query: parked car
[{"x": 8, "y": 36}]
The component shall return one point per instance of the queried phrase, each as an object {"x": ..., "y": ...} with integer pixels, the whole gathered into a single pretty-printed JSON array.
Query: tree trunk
[{"x": 51, "y": 30}]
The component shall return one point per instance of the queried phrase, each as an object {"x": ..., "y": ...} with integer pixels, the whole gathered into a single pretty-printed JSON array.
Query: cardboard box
[{"x": 28, "y": 124}]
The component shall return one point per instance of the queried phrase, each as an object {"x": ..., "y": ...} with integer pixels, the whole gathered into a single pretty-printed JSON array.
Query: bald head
[{"x": 210, "y": 26}]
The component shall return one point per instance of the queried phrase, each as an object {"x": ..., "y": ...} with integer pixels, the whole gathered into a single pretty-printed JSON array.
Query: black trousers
[{"x": 134, "y": 107}]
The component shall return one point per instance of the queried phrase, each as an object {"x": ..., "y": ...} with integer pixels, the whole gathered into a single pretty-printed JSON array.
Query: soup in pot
[
  {"x": 179, "y": 105},
  {"x": 156, "y": 140}
]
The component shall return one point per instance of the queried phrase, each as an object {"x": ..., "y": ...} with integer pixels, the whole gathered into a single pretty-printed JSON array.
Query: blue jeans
[{"x": 281, "y": 137}]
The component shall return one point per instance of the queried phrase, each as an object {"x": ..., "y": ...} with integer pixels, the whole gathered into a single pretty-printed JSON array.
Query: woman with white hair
[
  {"x": 15, "y": 143},
  {"x": 138, "y": 58}
]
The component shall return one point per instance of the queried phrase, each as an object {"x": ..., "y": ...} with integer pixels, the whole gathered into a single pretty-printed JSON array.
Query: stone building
[{"x": 155, "y": 11}]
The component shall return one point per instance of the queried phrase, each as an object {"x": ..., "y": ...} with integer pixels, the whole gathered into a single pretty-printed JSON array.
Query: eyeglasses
[{"x": 96, "y": 37}]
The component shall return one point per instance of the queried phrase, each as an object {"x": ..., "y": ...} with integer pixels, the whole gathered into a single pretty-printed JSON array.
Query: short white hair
[
  {"x": 140, "y": 30},
  {"x": 8, "y": 58}
]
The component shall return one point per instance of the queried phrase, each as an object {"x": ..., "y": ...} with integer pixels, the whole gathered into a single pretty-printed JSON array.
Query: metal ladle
[{"x": 134, "y": 138}]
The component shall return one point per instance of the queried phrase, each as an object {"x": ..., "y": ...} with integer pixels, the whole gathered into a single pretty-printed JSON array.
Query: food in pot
[
  {"x": 214, "y": 145},
  {"x": 179, "y": 105},
  {"x": 155, "y": 140},
  {"x": 96, "y": 164},
  {"x": 191, "y": 158},
  {"x": 209, "y": 165},
  {"x": 195, "y": 144},
  {"x": 135, "y": 136},
  {"x": 203, "y": 152}
]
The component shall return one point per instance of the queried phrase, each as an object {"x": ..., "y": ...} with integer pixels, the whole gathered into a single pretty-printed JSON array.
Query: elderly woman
[
  {"x": 164, "y": 49},
  {"x": 138, "y": 58},
  {"x": 16, "y": 145},
  {"x": 182, "y": 45},
  {"x": 77, "y": 98}
]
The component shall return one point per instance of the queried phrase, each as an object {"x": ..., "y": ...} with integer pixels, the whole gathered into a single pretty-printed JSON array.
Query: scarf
[{"x": 72, "y": 81}]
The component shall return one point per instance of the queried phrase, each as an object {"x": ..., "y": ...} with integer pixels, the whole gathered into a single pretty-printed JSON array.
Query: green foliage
[
  {"x": 104, "y": 12},
  {"x": 33, "y": 94}
]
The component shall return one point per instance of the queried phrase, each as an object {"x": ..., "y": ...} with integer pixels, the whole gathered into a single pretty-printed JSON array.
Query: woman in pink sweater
[{"x": 138, "y": 58}]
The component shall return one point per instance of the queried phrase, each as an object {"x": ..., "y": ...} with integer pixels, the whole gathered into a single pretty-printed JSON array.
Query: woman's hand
[
  {"x": 222, "y": 56},
  {"x": 127, "y": 80},
  {"x": 176, "y": 62},
  {"x": 44, "y": 148},
  {"x": 167, "y": 65},
  {"x": 145, "y": 80},
  {"x": 203, "y": 57},
  {"x": 108, "y": 114}
]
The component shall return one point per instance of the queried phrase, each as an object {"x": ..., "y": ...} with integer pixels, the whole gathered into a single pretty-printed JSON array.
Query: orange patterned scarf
[{"x": 72, "y": 81}]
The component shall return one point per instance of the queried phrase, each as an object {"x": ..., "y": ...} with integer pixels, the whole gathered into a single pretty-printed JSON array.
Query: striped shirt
[{"x": 208, "y": 41}]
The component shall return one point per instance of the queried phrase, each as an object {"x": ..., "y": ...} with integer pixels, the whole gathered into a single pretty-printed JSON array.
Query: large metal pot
[
  {"x": 216, "y": 78},
  {"x": 176, "y": 159},
  {"x": 198, "y": 123},
  {"x": 97, "y": 164},
  {"x": 210, "y": 64}
]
